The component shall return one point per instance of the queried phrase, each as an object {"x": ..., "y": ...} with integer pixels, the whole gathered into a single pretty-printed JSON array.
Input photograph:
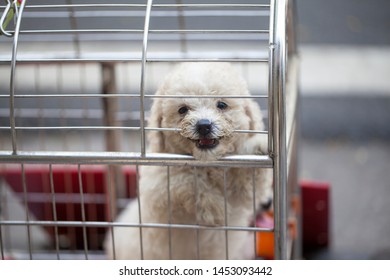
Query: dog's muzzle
[{"x": 204, "y": 128}]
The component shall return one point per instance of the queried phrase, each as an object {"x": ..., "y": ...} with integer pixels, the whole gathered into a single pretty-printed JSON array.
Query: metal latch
[{"x": 11, "y": 12}]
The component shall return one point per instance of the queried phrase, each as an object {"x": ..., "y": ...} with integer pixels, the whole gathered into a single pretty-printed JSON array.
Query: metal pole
[
  {"x": 277, "y": 139},
  {"x": 112, "y": 136}
]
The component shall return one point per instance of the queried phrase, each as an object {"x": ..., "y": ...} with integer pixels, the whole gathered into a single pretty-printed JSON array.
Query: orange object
[
  {"x": 265, "y": 245},
  {"x": 265, "y": 240}
]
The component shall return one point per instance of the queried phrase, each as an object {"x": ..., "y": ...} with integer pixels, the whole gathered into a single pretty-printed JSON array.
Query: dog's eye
[
  {"x": 183, "y": 110},
  {"x": 221, "y": 105}
]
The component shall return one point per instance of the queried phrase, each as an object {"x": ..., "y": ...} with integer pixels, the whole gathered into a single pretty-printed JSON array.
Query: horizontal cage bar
[
  {"x": 207, "y": 6},
  {"x": 142, "y": 225},
  {"x": 116, "y": 95},
  {"x": 263, "y": 161}
]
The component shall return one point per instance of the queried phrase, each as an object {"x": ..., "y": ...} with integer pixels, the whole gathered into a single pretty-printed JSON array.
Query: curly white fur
[{"x": 197, "y": 195}]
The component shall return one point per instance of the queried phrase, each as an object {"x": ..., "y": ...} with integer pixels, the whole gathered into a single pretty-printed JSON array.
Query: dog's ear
[
  {"x": 156, "y": 138},
  {"x": 252, "y": 110}
]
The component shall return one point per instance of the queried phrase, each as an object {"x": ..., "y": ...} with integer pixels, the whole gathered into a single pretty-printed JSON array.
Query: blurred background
[
  {"x": 344, "y": 111},
  {"x": 345, "y": 120}
]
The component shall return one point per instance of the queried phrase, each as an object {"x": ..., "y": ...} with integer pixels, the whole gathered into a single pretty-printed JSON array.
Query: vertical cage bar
[
  {"x": 143, "y": 75},
  {"x": 169, "y": 211},
  {"x": 73, "y": 24},
  {"x": 82, "y": 205},
  {"x": 254, "y": 208},
  {"x": 13, "y": 78},
  {"x": 25, "y": 197},
  {"x": 182, "y": 25},
  {"x": 2, "y": 208},
  {"x": 196, "y": 212},
  {"x": 226, "y": 210},
  {"x": 1, "y": 244},
  {"x": 139, "y": 212},
  {"x": 54, "y": 209},
  {"x": 292, "y": 136},
  {"x": 40, "y": 113},
  {"x": 111, "y": 209},
  {"x": 291, "y": 27},
  {"x": 70, "y": 209},
  {"x": 278, "y": 150}
]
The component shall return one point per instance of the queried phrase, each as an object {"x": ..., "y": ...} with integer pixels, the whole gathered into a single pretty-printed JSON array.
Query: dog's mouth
[{"x": 206, "y": 143}]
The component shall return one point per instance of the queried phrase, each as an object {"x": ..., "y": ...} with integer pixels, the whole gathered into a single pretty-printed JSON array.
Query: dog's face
[{"x": 206, "y": 125}]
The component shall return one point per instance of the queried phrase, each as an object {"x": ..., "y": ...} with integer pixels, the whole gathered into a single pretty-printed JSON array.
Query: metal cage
[{"x": 76, "y": 80}]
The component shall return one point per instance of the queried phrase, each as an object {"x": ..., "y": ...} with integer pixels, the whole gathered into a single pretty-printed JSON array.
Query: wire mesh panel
[{"x": 77, "y": 82}]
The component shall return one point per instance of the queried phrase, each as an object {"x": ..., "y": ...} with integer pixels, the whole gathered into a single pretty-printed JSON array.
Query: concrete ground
[
  {"x": 360, "y": 189},
  {"x": 345, "y": 120}
]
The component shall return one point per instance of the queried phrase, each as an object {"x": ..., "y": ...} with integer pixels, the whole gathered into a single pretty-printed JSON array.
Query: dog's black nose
[
  {"x": 266, "y": 205},
  {"x": 204, "y": 127}
]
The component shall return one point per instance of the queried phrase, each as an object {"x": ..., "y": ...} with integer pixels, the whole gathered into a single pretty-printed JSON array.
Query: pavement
[{"x": 344, "y": 115}]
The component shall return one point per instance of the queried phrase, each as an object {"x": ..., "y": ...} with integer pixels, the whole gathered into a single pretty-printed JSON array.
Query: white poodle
[{"x": 209, "y": 197}]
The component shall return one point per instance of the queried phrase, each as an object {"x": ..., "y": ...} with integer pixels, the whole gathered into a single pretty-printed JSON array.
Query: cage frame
[{"x": 282, "y": 60}]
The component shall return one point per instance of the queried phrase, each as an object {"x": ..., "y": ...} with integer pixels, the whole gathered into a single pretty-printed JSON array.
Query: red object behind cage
[
  {"x": 315, "y": 214},
  {"x": 33, "y": 186}
]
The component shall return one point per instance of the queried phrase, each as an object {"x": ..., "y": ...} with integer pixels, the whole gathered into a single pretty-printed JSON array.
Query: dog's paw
[
  {"x": 264, "y": 190},
  {"x": 256, "y": 145}
]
